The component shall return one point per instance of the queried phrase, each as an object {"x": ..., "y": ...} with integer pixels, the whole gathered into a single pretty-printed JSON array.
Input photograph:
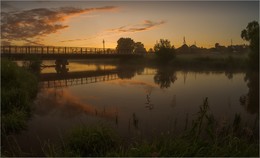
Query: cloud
[
  {"x": 32, "y": 42},
  {"x": 6, "y": 43},
  {"x": 37, "y": 23},
  {"x": 75, "y": 40},
  {"x": 6, "y": 6},
  {"x": 146, "y": 25}
]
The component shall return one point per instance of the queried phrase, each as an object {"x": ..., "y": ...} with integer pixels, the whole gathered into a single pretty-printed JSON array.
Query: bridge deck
[{"x": 53, "y": 53}]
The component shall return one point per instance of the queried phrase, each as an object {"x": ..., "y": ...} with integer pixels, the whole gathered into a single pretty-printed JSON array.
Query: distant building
[
  {"x": 194, "y": 49},
  {"x": 183, "y": 49}
]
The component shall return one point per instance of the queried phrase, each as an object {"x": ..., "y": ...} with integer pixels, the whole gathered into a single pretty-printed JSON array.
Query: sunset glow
[{"x": 86, "y": 24}]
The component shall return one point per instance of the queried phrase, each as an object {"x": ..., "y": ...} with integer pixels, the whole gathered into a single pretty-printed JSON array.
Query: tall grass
[
  {"x": 217, "y": 140},
  {"x": 84, "y": 141},
  {"x": 206, "y": 137},
  {"x": 18, "y": 89}
]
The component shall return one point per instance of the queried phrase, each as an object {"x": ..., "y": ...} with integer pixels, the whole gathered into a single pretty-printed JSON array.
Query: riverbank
[
  {"x": 199, "y": 61},
  {"x": 18, "y": 89},
  {"x": 206, "y": 137}
]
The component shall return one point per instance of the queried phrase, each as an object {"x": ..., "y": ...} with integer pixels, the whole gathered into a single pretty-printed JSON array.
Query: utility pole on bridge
[{"x": 103, "y": 45}]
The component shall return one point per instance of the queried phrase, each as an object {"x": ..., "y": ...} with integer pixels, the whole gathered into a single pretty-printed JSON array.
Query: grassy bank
[
  {"x": 206, "y": 137},
  {"x": 18, "y": 89},
  {"x": 197, "y": 61}
]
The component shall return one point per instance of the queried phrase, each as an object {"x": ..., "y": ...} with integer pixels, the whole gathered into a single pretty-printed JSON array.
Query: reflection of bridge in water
[{"x": 54, "y": 80}]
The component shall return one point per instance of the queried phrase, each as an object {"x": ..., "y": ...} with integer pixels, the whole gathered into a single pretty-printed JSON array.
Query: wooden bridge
[{"x": 54, "y": 53}]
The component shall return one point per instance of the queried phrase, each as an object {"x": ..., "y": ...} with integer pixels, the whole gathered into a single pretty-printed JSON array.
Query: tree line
[{"x": 165, "y": 51}]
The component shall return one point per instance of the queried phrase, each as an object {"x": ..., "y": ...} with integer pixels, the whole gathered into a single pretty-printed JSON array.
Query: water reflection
[
  {"x": 54, "y": 80},
  {"x": 165, "y": 76},
  {"x": 126, "y": 71},
  {"x": 134, "y": 99},
  {"x": 63, "y": 103},
  {"x": 135, "y": 121},
  {"x": 251, "y": 100},
  {"x": 60, "y": 66}
]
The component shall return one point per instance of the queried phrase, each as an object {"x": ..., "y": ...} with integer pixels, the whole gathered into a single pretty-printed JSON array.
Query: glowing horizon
[{"x": 86, "y": 24}]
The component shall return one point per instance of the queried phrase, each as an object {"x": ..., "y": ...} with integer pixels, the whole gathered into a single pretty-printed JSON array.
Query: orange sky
[{"x": 86, "y": 24}]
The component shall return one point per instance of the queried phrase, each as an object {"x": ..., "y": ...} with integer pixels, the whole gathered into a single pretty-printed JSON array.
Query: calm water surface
[{"x": 133, "y": 100}]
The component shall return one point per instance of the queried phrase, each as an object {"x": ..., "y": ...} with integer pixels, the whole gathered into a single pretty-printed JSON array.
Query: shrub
[
  {"x": 164, "y": 50},
  {"x": 90, "y": 141},
  {"x": 19, "y": 87}
]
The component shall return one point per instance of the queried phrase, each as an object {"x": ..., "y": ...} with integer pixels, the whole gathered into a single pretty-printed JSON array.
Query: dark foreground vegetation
[
  {"x": 206, "y": 137},
  {"x": 18, "y": 89}
]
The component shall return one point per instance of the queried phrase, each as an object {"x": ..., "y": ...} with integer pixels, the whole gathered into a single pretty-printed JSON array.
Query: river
[{"x": 136, "y": 101}]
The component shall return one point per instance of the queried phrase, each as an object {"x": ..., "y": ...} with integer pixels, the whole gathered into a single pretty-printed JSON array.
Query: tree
[
  {"x": 217, "y": 45},
  {"x": 125, "y": 45},
  {"x": 164, "y": 50},
  {"x": 251, "y": 34},
  {"x": 139, "y": 48},
  {"x": 150, "y": 50}
]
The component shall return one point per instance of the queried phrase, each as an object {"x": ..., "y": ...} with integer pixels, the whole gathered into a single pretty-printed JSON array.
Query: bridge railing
[
  {"x": 77, "y": 81},
  {"x": 54, "y": 50}
]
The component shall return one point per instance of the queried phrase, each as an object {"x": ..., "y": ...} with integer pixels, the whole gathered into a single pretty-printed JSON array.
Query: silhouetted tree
[
  {"x": 125, "y": 45},
  {"x": 164, "y": 50},
  {"x": 165, "y": 76},
  {"x": 217, "y": 45},
  {"x": 139, "y": 48},
  {"x": 150, "y": 50},
  {"x": 251, "y": 34}
]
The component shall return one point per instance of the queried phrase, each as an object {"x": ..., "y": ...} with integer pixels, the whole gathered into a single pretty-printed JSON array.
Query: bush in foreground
[
  {"x": 90, "y": 141},
  {"x": 18, "y": 89}
]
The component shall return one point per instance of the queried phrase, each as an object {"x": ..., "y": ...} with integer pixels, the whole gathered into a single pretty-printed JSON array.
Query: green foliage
[
  {"x": 14, "y": 121},
  {"x": 33, "y": 64},
  {"x": 226, "y": 141},
  {"x": 251, "y": 34},
  {"x": 164, "y": 50},
  {"x": 90, "y": 141},
  {"x": 19, "y": 87}
]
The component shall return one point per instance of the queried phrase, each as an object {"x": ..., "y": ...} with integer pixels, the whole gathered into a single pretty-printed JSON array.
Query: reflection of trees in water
[
  {"x": 229, "y": 74},
  {"x": 251, "y": 100},
  {"x": 60, "y": 66},
  {"x": 126, "y": 71},
  {"x": 165, "y": 76}
]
